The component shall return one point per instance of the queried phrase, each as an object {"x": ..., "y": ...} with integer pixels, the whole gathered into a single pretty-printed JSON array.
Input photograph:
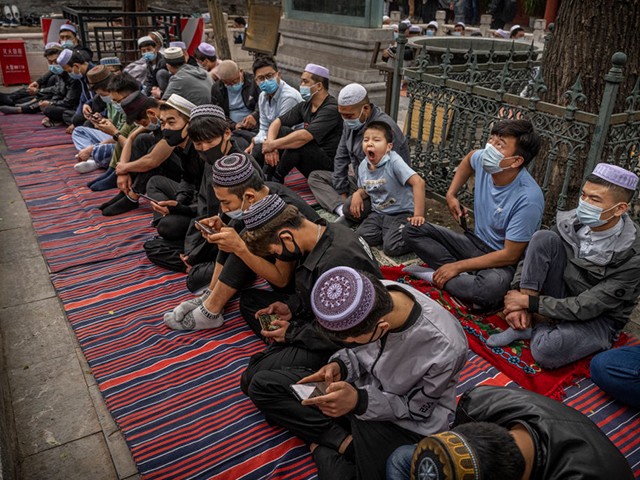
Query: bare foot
[
  {"x": 345, "y": 444},
  {"x": 313, "y": 446}
]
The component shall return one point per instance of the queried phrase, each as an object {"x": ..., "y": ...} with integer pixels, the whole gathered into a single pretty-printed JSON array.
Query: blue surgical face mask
[
  {"x": 385, "y": 158},
  {"x": 491, "y": 158},
  {"x": 355, "y": 123},
  {"x": 149, "y": 56},
  {"x": 153, "y": 126},
  {"x": 117, "y": 107},
  {"x": 106, "y": 99},
  {"x": 56, "y": 69},
  {"x": 235, "y": 88},
  {"x": 305, "y": 92},
  {"x": 457, "y": 34},
  {"x": 67, "y": 44},
  {"x": 237, "y": 214},
  {"x": 430, "y": 33},
  {"x": 75, "y": 76},
  {"x": 589, "y": 215},
  {"x": 269, "y": 86}
]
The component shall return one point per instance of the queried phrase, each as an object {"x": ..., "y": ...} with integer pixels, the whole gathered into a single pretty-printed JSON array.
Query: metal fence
[{"x": 452, "y": 108}]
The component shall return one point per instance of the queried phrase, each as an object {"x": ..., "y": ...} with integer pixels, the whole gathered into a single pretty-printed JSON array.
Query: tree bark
[
  {"x": 586, "y": 35},
  {"x": 219, "y": 29},
  {"x": 130, "y": 45}
]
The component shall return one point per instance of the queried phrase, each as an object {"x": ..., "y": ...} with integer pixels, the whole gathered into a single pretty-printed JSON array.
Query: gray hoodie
[
  {"x": 410, "y": 374},
  {"x": 191, "y": 83}
]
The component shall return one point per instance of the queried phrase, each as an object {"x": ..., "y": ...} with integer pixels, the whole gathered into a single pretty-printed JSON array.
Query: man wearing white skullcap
[
  {"x": 312, "y": 147},
  {"x": 578, "y": 283},
  {"x": 68, "y": 38},
  {"x": 157, "y": 75},
  {"x": 331, "y": 189}
]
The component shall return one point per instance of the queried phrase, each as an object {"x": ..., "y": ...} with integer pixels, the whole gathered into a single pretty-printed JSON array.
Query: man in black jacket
[{"x": 512, "y": 434}]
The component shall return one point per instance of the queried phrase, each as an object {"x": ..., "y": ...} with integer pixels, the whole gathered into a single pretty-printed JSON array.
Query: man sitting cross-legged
[
  {"x": 508, "y": 205},
  {"x": 579, "y": 282}
]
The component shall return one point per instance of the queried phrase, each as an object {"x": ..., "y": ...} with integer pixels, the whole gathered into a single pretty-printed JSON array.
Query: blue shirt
[
  {"x": 387, "y": 185},
  {"x": 285, "y": 98},
  {"x": 237, "y": 109},
  {"x": 511, "y": 212}
]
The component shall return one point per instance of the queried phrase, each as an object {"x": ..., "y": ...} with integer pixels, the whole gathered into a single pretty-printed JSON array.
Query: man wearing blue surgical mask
[
  {"x": 237, "y": 93},
  {"x": 578, "y": 282},
  {"x": 333, "y": 188},
  {"x": 68, "y": 38},
  {"x": 77, "y": 67},
  {"x": 477, "y": 267},
  {"x": 277, "y": 97}
]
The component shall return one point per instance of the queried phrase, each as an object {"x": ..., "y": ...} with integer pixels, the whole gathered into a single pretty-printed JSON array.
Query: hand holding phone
[
  {"x": 463, "y": 219},
  {"x": 305, "y": 391},
  {"x": 266, "y": 321},
  {"x": 204, "y": 228},
  {"x": 148, "y": 198},
  {"x": 96, "y": 117}
]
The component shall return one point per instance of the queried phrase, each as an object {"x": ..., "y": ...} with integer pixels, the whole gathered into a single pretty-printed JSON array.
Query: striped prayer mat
[
  {"x": 175, "y": 395},
  {"x": 26, "y": 131}
]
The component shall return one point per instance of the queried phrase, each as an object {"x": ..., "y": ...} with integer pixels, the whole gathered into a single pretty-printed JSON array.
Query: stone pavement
[{"x": 62, "y": 427}]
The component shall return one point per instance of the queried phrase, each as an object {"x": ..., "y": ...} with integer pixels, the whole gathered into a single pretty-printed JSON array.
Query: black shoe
[
  {"x": 7, "y": 110},
  {"x": 123, "y": 205},
  {"x": 119, "y": 196}
]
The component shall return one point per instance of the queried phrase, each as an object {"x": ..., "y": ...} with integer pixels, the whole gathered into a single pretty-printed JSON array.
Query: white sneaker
[
  {"x": 423, "y": 273},
  {"x": 86, "y": 167}
]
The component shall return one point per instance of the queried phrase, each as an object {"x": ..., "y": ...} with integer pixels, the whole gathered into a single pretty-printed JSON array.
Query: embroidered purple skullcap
[
  {"x": 318, "y": 70},
  {"x": 64, "y": 57},
  {"x": 616, "y": 175},
  {"x": 342, "y": 298},
  {"x": 208, "y": 111},
  {"x": 181, "y": 45},
  {"x": 206, "y": 49},
  {"x": 231, "y": 170},
  {"x": 68, "y": 26},
  {"x": 262, "y": 212}
]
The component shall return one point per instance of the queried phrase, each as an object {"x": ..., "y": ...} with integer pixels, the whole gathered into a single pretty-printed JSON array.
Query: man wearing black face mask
[
  {"x": 279, "y": 230},
  {"x": 417, "y": 349}
]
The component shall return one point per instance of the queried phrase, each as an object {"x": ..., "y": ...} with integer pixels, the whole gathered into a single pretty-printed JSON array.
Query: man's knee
[
  {"x": 546, "y": 348},
  {"x": 257, "y": 384},
  {"x": 491, "y": 286},
  {"x": 413, "y": 233},
  {"x": 545, "y": 239},
  {"x": 316, "y": 178}
]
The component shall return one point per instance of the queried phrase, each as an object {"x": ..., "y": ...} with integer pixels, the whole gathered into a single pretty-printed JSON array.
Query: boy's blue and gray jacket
[{"x": 410, "y": 375}]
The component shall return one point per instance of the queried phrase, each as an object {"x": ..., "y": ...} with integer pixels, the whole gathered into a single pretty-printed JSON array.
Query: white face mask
[{"x": 589, "y": 215}]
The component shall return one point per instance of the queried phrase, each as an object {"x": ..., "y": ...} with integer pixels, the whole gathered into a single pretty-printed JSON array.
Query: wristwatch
[{"x": 116, "y": 135}]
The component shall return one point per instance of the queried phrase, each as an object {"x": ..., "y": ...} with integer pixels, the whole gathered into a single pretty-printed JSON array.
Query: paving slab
[
  {"x": 13, "y": 213},
  {"x": 121, "y": 456},
  {"x": 18, "y": 243},
  {"x": 23, "y": 281},
  {"x": 83, "y": 459},
  {"x": 52, "y": 404},
  {"x": 33, "y": 332}
]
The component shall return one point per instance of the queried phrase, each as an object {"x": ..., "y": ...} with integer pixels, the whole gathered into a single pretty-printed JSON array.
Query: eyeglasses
[{"x": 268, "y": 76}]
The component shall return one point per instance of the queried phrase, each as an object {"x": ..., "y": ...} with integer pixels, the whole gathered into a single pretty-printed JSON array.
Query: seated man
[
  {"x": 508, "y": 206},
  {"x": 68, "y": 38},
  {"x": 189, "y": 82},
  {"x": 67, "y": 96},
  {"x": 277, "y": 97},
  {"x": 206, "y": 56},
  {"x": 313, "y": 145},
  {"x": 617, "y": 372},
  {"x": 512, "y": 434},
  {"x": 77, "y": 68},
  {"x": 237, "y": 94},
  {"x": 113, "y": 64},
  {"x": 95, "y": 147},
  {"x": 237, "y": 185},
  {"x": 147, "y": 154},
  {"x": 331, "y": 189},
  {"x": 579, "y": 282},
  {"x": 394, "y": 383}
]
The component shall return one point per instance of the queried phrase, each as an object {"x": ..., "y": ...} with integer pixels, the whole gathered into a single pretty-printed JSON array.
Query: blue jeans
[
  {"x": 84, "y": 136},
  {"x": 617, "y": 372},
  {"x": 399, "y": 463}
]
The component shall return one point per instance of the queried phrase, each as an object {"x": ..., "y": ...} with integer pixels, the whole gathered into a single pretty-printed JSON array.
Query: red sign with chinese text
[{"x": 13, "y": 59}]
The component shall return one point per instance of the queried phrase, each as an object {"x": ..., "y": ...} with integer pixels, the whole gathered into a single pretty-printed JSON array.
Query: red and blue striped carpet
[{"x": 175, "y": 395}]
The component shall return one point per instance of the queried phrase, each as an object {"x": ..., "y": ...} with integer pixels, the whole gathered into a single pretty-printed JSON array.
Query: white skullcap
[
  {"x": 145, "y": 39},
  {"x": 173, "y": 53},
  {"x": 386, "y": 18},
  {"x": 515, "y": 27},
  {"x": 181, "y": 104},
  {"x": 352, "y": 94},
  {"x": 433, "y": 24}
]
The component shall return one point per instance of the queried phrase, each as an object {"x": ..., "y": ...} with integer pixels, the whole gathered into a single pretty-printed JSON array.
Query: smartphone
[
  {"x": 147, "y": 197},
  {"x": 305, "y": 391},
  {"x": 266, "y": 320},
  {"x": 96, "y": 117},
  {"x": 205, "y": 229}
]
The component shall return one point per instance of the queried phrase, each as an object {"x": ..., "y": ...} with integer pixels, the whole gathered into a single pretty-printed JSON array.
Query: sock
[
  {"x": 189, "y": 305},
  {"x": 119, "y": 196},
  {"x": 101, "y": 177},
  {"x": 124, "y": 205},
  {"x": 508, "y": 336},
  {"x": 111, "y": 181},
  {"x": 338, "y": 211},
  {"x": 86, "y": 166},
  {"x": 423, "y": 273},
  {"x": 198, "y": 319}
]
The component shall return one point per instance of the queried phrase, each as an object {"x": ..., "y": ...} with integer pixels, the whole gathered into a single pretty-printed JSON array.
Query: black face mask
[
  {"x": 173, "y": 137},
  {"x": 371, "y": 339},
  {"x": 287, "y": 255},
  {"x": 214, "y": 153}
]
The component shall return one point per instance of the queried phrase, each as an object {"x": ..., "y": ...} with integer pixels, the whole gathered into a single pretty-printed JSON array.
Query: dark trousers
[
  {"x": 57, "y": 114},
  {"x": 170, "y": 168},
  {"x": 199, "y": 276},
  {"x": 617, "y": 372},
  {"x": 386, "y": 230},
  {"x": 172, "y": 226},
  {"x": 554, "y": 345},
  {"x": 438, "y": 246},
  {"x": 373, "y": 442}
]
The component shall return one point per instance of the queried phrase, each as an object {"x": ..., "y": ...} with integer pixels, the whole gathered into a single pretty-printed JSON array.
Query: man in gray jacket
[
  {"x": 578, "y": 282},
  {"x": 332, "y": 188},
  {"x": 190, "y": 82},
  {"x": 393, "y": 383}
]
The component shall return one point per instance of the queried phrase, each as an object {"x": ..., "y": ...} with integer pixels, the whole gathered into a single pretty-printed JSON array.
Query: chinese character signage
[{"x": 13, "y": 60}]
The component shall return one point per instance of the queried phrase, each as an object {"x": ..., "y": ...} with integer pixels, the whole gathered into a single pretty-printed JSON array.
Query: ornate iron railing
[{"x": 452, "y": 107}]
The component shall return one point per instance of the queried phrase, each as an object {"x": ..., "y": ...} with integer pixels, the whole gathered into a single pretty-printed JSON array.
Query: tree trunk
[
  {"x": 219, "y": 29},
  {"x": 130, "y": 35},
  {"x": 586, "y": 35}
]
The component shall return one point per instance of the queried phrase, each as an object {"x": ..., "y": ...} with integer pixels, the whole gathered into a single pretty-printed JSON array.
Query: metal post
[
  {"x": 397, "y": 71},
  {"x": 613, "y": 80}
]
